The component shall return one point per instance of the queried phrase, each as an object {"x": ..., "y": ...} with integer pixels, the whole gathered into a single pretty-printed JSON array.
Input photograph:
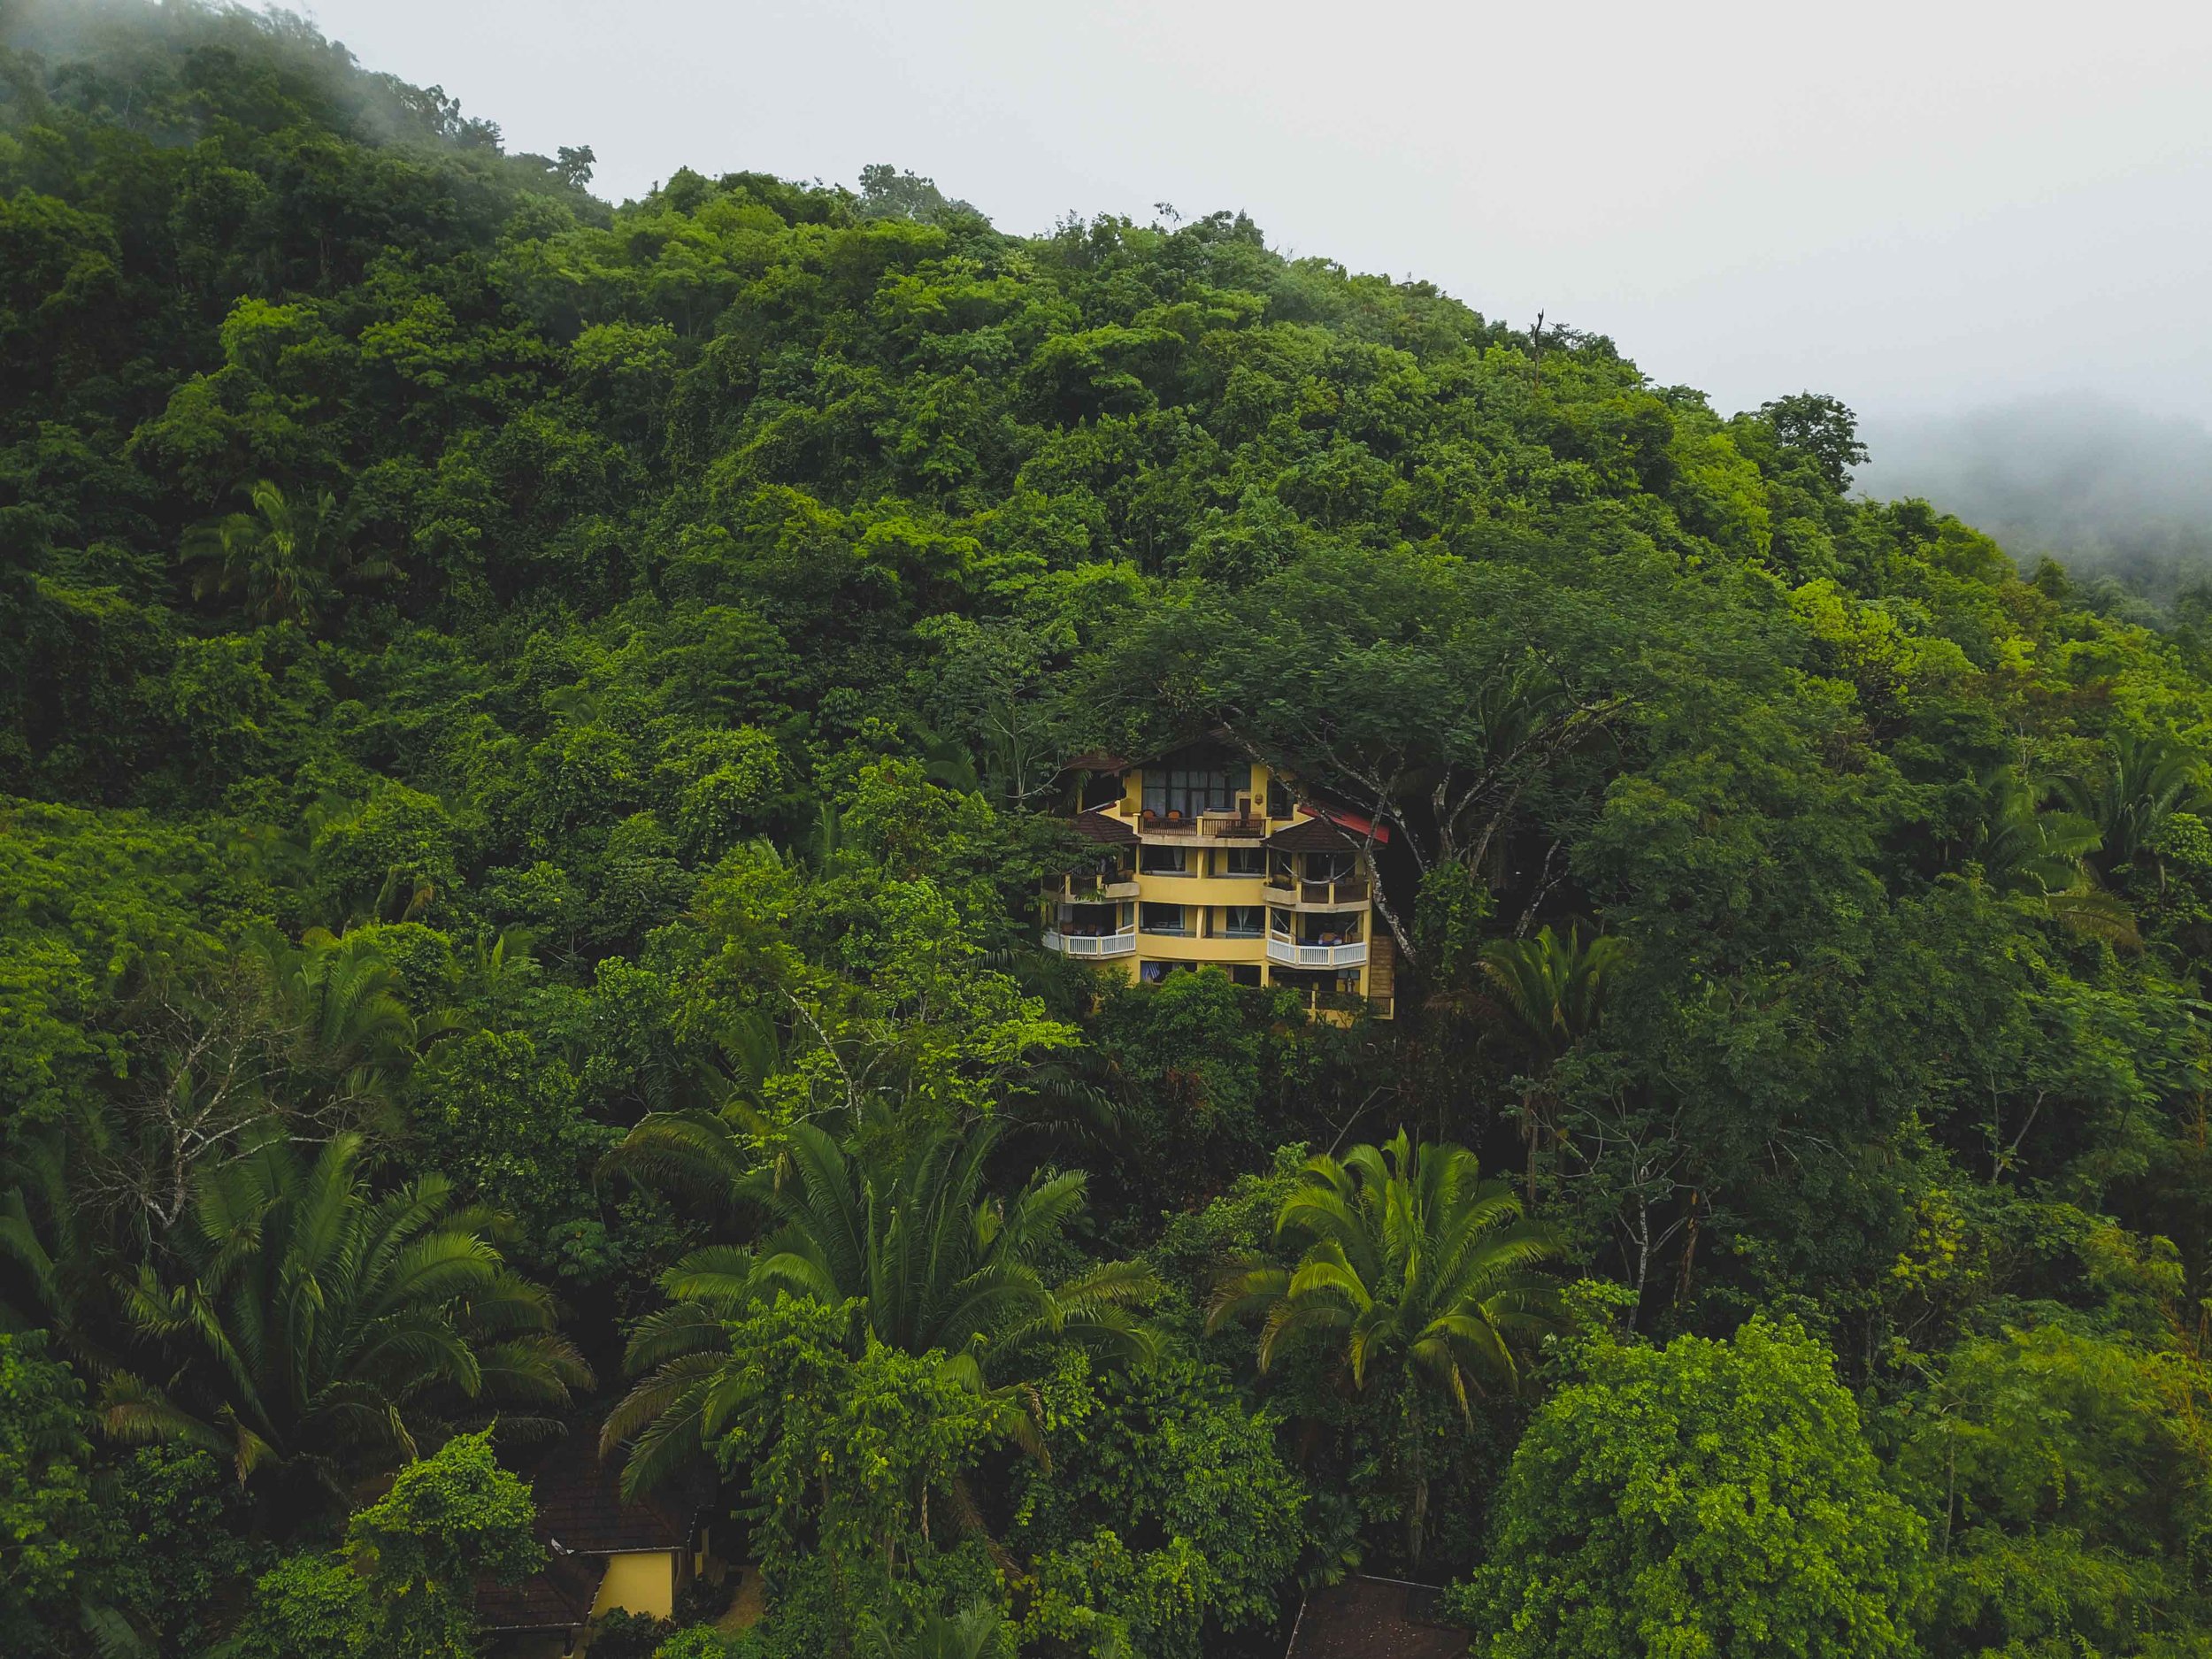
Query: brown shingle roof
[
  {"x": 580, "y": 1507},
  {"x": 1374, "y": 1618},
  {"x": 1314, "y": 835},
  {"x": 557, "y": 1598},
  {"x": 581, "y": 1518},
  {"x": 1102, "y": 827}
]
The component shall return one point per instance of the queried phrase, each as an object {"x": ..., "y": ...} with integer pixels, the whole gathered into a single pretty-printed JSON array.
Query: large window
[
  {"x": 1195, "y": 782},
  {"x": 1164, "y": 861},
  {"x": 1244, "y": 861},
  {"x": 1242, "y": 921},
  {"x": 1160, "y": 918}
]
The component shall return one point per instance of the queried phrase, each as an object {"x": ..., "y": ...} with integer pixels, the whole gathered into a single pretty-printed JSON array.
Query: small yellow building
[
  {"x": 1204, "y": 858},
  {"x": 604, "y": 1555}
]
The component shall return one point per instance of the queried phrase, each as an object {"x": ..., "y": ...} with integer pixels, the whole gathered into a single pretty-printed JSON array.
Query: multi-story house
[{"x": 1202, "y": 858}]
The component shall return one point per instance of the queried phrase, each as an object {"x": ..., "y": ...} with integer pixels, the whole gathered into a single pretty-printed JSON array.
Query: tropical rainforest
[{"x": 531, "y": 733}]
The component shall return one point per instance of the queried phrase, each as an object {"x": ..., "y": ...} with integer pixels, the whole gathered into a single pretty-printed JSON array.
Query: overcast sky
[{"x": 1919, "y": 207}]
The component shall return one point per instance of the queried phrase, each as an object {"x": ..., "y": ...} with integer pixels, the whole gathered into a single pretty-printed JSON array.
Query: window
[
  {"x": 1278, "y": 800},
  {"x": 1164, "y": 861},
  {"x": 1242, "y": 921},
  {"x": 1160, "y": 918},
  {"x": 1196, "y": 781},
  {"x": 1279, "y": 920},
  {"x": 1244, "y": 973},
  {"x": 1245, "y": 861}
]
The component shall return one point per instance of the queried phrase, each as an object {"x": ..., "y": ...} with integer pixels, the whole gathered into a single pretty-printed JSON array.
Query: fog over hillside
[{"x": 2109, "y": 489}]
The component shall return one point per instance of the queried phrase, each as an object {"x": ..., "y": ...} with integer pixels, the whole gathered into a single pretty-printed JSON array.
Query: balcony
[
  {"x": 1340, "y": 1007},
  {"x": 1100, "y": 888},
  {"x": 1121, "y": 942},
  {"x": 1346, "y": 893},
  {"x": 1224, "y": 825},
  {"x": 1293, "y": 954}
]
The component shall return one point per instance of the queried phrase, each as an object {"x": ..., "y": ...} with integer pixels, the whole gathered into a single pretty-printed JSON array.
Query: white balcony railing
[
  {"x": 1120, "y": 944},
  {"x": 1290, "y": 954}
]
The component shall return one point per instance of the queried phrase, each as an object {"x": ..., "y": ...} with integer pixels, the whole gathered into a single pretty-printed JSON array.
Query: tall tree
[
  {"x": 1550, "y": 989},
  {"x": 1419, "y": 1273},
  {"x": 2149, "y": 777},
  {"x": 1712, "y": 1498},
  {"x": 287, "y": 554},
  {"x": 319, "y": 1331},
  {"x": 910, "y": 1242}
]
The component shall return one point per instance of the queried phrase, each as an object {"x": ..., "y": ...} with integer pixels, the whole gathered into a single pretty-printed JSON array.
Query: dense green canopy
[{"x": 530, "y": 731}]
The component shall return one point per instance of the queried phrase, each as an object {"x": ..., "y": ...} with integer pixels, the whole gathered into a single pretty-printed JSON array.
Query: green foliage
[
  {"x": 532, "y": 731},
  {"x": 1168, "y": 1512},
  {"x": 903, "y": 1246},
  {"x": 1703, "y": 1498},
  {"x": 1418, "y": 1271},
  {"x": 404, "y": 1585},
  {"x": 2060, "y": 1469},
  {"x": 46, "y": 1502},
  {"x": 320, "y": 1326}
]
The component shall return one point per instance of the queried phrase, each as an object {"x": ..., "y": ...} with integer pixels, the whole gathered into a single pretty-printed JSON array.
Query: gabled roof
[
  {"x": 580, "y": 1507},
  {"x": 1327, "y": 829},
  {"x": 1375, "y": 1619},
  {"x": 581, "y": 1520},
  {"x": 558, "y": 1597}
]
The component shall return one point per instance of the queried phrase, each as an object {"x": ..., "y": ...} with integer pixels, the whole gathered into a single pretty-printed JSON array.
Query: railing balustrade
[
  {"x": 1121, "y": 942},
  {"x": 1294, "y": 954}
]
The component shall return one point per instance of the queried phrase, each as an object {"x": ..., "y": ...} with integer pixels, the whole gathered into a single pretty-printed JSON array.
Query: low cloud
[{"x": 2106, "y": 488}]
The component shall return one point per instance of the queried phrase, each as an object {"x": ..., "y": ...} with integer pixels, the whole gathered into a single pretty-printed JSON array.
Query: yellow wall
[
  {"x": 1201, "y": 889},
  {"x": 644, "y": 1582},
  {"x": 1211, "y": 891},
  {"x": 1168, "y": 947}
]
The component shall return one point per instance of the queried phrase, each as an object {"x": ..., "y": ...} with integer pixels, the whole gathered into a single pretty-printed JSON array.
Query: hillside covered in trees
[{"x": 530, "y": 736}]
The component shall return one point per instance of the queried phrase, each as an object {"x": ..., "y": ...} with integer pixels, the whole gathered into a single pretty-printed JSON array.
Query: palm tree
[
  {"x": 318, "y": 1329},
  {"x": 345, "y": 1034},
  {"x": 968, "y": 1634},
  {"x": 1550, "y": 990},
  {"x": 930, "y": 1264},
  {"x": 2151, "y": 778},
  {"x": 2039, "y": 856},
  {"x": 1417, "y": 1268},
  {"x": 57, "y": 1265},
  {"x": 1551, "y": 987},
  {"x": 286, "y": 554}
]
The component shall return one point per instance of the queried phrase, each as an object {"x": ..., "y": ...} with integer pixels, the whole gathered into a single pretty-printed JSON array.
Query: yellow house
[
  {"x": 1202, "y": 858},
  {"x": 602, "y": 1555}
]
